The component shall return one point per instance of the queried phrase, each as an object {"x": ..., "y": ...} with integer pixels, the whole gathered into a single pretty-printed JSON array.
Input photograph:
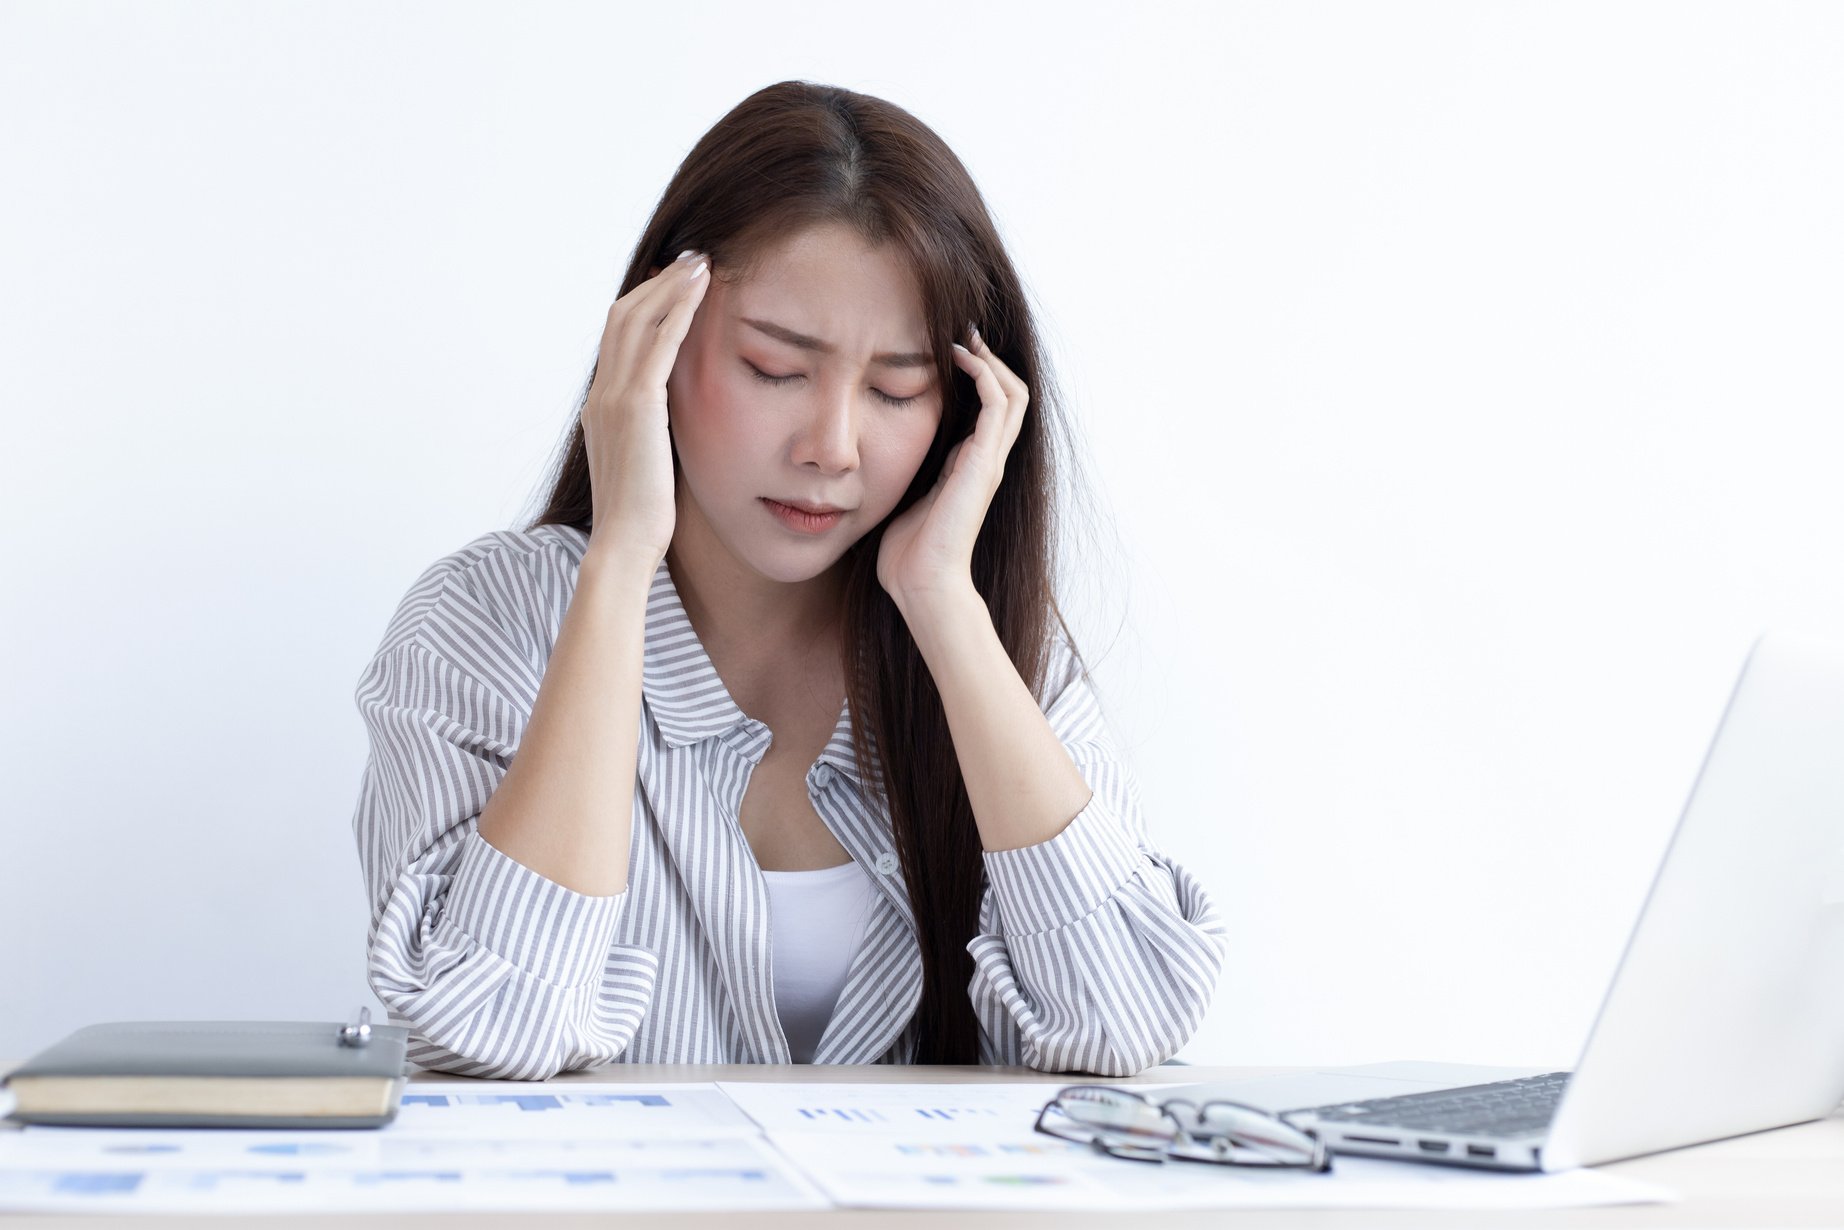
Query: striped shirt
[{"x": 1094, "y": 952}]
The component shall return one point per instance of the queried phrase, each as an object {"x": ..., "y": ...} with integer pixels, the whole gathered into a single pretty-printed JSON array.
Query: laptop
[{"x": 1726, "y": 1012}]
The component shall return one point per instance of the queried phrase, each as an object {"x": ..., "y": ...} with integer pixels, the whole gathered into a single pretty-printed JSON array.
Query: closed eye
[{"x": 765, "y": 378}]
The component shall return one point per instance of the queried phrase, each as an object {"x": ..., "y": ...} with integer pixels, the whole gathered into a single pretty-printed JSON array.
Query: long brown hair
[{"x": 788, "y": 157}]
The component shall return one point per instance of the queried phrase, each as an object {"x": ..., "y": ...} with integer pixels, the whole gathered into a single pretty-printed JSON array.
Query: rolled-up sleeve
[
  {"x": 1096, "y": 952},
  {"x": 498, "y": 971}
]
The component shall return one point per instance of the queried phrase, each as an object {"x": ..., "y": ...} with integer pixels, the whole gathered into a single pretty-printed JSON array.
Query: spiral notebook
[{"x": 284, "y": 1074}]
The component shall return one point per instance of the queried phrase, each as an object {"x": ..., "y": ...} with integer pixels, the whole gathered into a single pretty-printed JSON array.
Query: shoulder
[
  {"x": 503, "y": 579},
  {"x": 543, "y": 552},
  {"x": 1063, "y": 663},
  {"x": 1070, "y": 698}
]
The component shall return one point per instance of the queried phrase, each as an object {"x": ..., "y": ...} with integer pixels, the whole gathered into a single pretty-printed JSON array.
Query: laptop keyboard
[{"x": 1502, "y": 1108}]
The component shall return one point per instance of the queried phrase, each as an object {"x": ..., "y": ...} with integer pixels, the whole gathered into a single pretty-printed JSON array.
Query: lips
[
  {"x": 817, "y": 510},
  {"x": 801, "y": 521}
]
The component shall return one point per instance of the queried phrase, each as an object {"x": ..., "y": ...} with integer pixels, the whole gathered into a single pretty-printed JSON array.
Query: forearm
[
  {"x": 565, "y": 806},
  {"x": 1023, "y": 786}
]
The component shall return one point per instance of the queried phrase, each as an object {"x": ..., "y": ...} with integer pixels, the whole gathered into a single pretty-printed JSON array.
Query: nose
[{"x": 828, "y": 436}]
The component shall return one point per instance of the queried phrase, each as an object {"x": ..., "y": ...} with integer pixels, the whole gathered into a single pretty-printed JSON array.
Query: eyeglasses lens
[
  {"x": 1124, "y": 1125},
  {"x": 1118, "y": 1117},
  {"x": 1230, "y": 1130}
]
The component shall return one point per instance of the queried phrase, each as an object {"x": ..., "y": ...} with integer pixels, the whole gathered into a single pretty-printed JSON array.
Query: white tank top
[{"x": 816, "y": 920}]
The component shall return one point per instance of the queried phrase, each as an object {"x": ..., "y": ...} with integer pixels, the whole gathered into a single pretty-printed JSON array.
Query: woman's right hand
[{"x": 624, "y": 417}]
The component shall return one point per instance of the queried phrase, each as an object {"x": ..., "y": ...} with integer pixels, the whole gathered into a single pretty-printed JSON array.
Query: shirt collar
[{"x": 688, "y": 700}]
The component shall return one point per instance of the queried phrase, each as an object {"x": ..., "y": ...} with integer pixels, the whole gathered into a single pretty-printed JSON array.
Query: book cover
[{"x": 215, "y": 1074}]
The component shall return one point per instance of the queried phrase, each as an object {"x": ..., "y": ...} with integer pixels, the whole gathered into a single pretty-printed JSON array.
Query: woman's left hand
[{"x": 928, "y": 551}]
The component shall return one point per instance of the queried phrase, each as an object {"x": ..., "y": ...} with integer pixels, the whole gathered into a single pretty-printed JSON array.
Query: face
[{"x": 843, "y": 418}]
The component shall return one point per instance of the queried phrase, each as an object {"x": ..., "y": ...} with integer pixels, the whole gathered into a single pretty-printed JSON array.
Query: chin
[
  {"x": 793, "y": 566},
  {"x": 789, "y": 562}
]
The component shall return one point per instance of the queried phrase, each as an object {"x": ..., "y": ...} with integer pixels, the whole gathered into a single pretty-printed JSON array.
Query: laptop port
[
  {"x": 1370, "y": 1140},
  {"x": 1435, "y": 1146},
  {"x": 1481, "y": 1151}
]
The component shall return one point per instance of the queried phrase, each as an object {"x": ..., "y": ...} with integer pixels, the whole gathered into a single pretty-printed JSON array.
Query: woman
[{"x": 625, "y": 801}]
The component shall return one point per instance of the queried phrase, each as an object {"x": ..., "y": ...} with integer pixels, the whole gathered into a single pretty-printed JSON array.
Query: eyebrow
[{"x": 784, "y": 334}]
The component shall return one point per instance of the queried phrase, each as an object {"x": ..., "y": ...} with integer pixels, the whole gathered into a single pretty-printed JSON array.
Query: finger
[
  {"x": 679, "y": 259},
  {"x": 689, "y": 277},
  {"x": 646, "y": 301},
  {"x": 1008, "y": 379},
  {"x": 660, "y": 344},
  {"x": 1011, "y": 437},
  {"x": 663, "y": 291},
  {"x": 1014, "y": 420},
  {"x": 638, "y": 328},
  {"x": 989, "y": 426},
  {"x": 659, "y": 281},
  {"x": 1018, "y": 394}
]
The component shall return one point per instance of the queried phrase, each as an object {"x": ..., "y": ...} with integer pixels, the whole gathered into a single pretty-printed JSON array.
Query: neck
[{"x": 755, "y": 629}]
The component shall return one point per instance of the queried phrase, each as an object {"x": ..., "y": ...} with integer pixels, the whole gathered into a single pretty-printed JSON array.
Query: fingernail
[
  {"x": 976, "y": 336},
  {"x": 686, "y": 253}
]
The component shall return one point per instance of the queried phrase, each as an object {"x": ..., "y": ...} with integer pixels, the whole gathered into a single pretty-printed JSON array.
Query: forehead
[{"x": 828, "y": 282}]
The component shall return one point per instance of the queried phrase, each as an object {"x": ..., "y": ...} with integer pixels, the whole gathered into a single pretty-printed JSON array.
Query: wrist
[
  {"x": 939, "y": 609},
  {"x": 621, "y": 562}
]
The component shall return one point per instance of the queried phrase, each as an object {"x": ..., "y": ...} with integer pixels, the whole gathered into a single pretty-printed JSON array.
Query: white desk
[{"x": 1789, "y": 1177}]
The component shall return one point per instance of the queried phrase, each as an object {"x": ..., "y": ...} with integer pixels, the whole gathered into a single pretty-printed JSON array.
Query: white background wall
[{"x": 1461, "y": 382}]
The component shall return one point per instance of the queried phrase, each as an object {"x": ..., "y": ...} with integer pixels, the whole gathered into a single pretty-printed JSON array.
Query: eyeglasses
[{"x": 1123, "y": 1124}]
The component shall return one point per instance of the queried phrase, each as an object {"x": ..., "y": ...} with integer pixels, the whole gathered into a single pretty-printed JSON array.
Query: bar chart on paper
[
  {"x": 432, "y": 1176},
  {"x": 823, "y": 1114},
  {"x": 453, "y": 1146},
  {"x": 785, "y": 1107},
  {"x": 605, "y": 1112}
]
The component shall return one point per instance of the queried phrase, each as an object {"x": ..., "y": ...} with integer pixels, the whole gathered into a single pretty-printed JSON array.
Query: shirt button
[{"x": 886, "y": 864}]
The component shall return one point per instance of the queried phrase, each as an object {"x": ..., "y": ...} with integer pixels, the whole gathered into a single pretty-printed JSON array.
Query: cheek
[
  {"x": 903, "y": 451},
  {"x": 917, "y": 443},
  {"x": 712, "y": 419}
]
